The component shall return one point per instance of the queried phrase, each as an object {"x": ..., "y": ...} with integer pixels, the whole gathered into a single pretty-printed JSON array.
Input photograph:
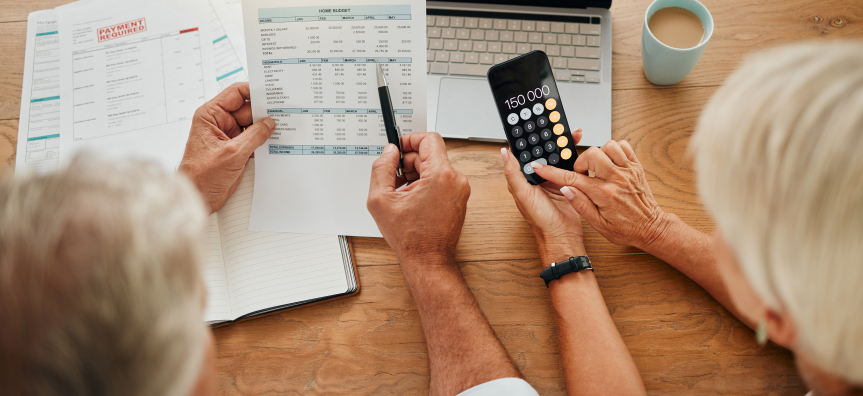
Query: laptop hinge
[
  {"x": 489, "y": 140},
  {"x": 538, "y": 3}
]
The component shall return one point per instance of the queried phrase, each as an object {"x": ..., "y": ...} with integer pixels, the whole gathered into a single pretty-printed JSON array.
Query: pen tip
[{"x": 382, "y": 81}]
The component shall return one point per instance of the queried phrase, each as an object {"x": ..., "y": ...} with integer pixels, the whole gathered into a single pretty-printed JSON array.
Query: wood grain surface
[{"x": 683, "y": 342}]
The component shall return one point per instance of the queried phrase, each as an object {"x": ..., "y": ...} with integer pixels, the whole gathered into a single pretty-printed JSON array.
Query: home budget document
[{"x": 312, "y": 70}]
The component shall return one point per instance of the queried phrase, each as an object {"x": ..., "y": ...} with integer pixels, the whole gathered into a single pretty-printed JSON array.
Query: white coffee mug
[{"x": 664, "y": 65}]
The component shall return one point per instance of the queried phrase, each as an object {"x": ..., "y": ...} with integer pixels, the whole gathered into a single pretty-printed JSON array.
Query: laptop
[{"x": 466, "y": 38}]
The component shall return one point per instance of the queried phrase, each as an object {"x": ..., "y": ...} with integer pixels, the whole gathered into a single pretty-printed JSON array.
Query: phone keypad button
[
  {"x": 558, "y": 129},
  {"x": 537, "y": 151},
  {"x": 565, "y": 153},
  {"x": 521, "y": 144},
  {"x": 517, "y": 131},
  {"x": 550, "y": 104},
  {"x": 542, "y": 122},
  {"x": 553, "y": 159},
  {"x": 545, "y": 134},
  {"x": 529, "y": 126},
  {"x": 549, "y": 147},
  {"x": 554, "y": 116},
  {"x": 524, "y": 156},
  {"x": 512, "y": 118},
  {"x": 525, "y": 114},
  {"x": 533, "y": 139},
  {"x": 538, "y": 109},
  {"x": 528, "y": 169}
]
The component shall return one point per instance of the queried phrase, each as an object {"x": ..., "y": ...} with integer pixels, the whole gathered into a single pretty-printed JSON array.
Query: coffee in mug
[{"x": 676, "y": 27}]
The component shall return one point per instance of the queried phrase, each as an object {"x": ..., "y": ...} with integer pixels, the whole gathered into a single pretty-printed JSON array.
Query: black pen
[{"x": 393, "y": 132}]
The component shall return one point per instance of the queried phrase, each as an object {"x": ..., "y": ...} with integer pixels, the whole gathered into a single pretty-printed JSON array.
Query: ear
[{"x": 780, "y": 328}]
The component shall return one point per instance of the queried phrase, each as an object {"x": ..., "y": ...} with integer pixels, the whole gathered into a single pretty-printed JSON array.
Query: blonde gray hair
[
  {"x": 100, "y": 289},
  {"x": 779, "y": 156}
]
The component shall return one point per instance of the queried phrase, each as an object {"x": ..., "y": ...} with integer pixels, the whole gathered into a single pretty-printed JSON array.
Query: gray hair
[
  {"x": 779, "y": 155},
  {"x": 100, "y": 285}
]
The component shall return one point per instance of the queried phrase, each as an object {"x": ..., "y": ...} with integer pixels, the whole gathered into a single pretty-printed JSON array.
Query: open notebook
[{"x": 251, "y": 273}]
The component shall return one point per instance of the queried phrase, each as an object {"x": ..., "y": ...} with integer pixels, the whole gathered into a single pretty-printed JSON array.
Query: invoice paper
[
  {"x": 39, "y": 126},
  {"x": 229, "y": 48},
  {"x": 132, "y": 76},
  {"x": 226, "y": 32},
  {"x": 39, "y": 122},
  {"x": 230, "y": 14},
  {"x": 312, "y": 69}
]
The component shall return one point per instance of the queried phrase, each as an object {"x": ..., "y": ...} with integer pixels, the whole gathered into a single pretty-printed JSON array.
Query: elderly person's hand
[
  {"x": 555, "y": 224},
  {"x": 220, "y": 143},
  {"x": 422, "y": 223},
  {"x": 424, "y": 219},
  {"x": 617, "y": 202}
]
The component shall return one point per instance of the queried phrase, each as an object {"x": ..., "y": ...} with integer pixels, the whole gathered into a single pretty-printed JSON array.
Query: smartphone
[{"x": 531, "y": 113}]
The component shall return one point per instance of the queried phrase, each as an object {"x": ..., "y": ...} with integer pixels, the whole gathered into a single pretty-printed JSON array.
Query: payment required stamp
[{"x": 122, "y": 29}]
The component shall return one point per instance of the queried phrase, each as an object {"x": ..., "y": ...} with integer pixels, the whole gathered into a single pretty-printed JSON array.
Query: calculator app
[{"x": 531, "y": 113}]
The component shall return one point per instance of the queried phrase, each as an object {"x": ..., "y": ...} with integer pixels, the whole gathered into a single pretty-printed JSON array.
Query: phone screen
[
  {"x": 529, "y": 104},
  {"x": 522, "y": 82}
]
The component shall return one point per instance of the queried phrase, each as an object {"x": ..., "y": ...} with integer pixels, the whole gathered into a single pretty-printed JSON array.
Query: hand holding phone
[{"x": 532, "y": 113}]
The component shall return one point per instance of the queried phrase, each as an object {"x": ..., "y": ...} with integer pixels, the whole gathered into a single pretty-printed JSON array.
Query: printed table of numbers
[{"x": 320, "y": 76}]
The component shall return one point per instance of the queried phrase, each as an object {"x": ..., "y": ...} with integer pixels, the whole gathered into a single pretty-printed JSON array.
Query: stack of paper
[{"x": 123, "y": 79}]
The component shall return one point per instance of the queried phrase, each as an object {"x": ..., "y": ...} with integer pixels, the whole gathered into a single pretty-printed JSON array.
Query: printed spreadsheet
[{"x": 319, "y": 76}]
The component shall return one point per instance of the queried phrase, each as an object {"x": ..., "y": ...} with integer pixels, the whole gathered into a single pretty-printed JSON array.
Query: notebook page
[
  {"x": 213, "y": 271},
  {"x": 268, "y": 269}
]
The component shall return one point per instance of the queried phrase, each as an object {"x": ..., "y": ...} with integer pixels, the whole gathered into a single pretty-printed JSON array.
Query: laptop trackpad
[{"x": 466, "y": 108}]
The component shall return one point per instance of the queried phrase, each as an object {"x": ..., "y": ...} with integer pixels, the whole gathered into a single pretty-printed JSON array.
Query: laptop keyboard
[{"x": 469, "y": 43}]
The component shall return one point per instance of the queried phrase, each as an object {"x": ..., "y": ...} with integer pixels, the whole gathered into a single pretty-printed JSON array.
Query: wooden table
[{"x": 682, "y": 340}]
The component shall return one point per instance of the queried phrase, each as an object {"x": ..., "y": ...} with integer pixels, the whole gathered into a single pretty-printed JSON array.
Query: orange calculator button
[
  {"x": 562, "y": 141},
  {"x": 558, "y": 129},
  {"x": 554, "y": 116},
  {"x": 565, "y": 153},
  {"x": 550, "y": 104}
]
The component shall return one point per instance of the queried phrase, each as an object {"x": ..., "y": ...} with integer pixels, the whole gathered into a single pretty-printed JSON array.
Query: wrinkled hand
[
  {"x": 218, "y": 147},
  {"x": 424, "y": 219},
  {"x": 617, "y": 202},
  {"x": 555, "y": 224}
]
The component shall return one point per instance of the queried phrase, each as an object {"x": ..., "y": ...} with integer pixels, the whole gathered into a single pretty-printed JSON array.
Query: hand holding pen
[
  {"x": 425, "y": 217},
  {"x": 393, "y": 132}
]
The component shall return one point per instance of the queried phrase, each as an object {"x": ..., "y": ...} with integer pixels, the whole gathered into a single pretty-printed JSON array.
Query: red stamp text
[{"x": 122, "y": 29}]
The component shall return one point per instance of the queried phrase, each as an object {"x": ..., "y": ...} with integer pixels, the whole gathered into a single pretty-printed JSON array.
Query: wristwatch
[{"x": 556, "y": 270}]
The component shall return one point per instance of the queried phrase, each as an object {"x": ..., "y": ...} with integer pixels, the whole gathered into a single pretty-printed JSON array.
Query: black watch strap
[{"x": 573, "y": 264}]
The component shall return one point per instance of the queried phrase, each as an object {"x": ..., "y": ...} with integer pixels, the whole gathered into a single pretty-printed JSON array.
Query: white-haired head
[
  {"x": 100, "y": 286},
  {"x": 779, "y": 156}
]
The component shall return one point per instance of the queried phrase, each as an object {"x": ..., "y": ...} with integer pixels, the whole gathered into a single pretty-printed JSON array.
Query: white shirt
[{"x": 502, "y": 387}]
